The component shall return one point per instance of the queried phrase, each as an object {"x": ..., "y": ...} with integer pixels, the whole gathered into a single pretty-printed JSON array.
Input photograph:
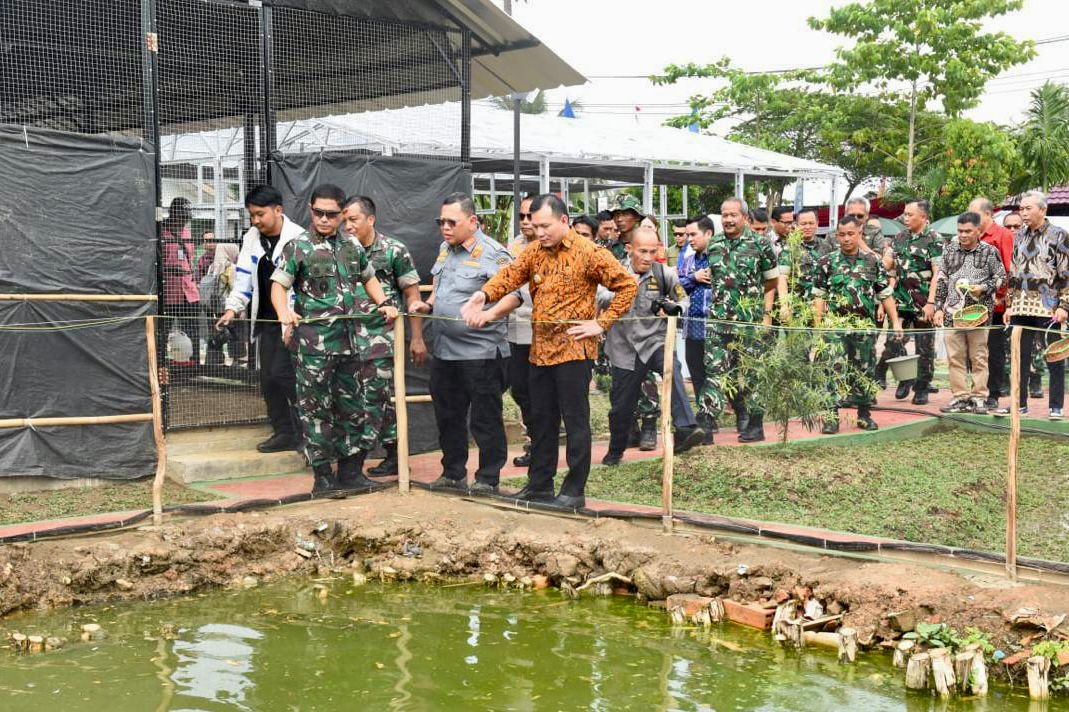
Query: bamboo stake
[
  {"x": 666, "y": 422},
  {"x": 1015, "y": 436},
  {"x": 426, "y": 398},
  {"x": 81, "y": 420},
  {"x": 157, "y": 421},
  {"x": 401, "y": 403},
  {"x": 78, "y": 297}
]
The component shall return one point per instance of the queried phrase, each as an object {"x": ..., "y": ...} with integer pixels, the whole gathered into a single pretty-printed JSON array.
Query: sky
[{"x": 607, "y": 39}]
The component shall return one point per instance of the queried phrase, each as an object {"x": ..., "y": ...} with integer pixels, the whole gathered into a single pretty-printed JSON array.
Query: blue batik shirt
[{"x": 700, "y": 294}]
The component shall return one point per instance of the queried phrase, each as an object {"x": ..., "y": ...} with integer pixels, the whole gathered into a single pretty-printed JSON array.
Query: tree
[
  {"x": 534, "y": 105},
  {"x": 937, "y": 48},
  {"x": 1043, "y": 139}
]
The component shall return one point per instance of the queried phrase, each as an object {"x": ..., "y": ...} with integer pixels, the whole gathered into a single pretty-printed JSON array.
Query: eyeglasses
[
  {"x": 446, "y": 222},
  {"x": 526, "y": 216},
  {"x": 325, "y": 213},
  {"x": 855, "y": 215}
]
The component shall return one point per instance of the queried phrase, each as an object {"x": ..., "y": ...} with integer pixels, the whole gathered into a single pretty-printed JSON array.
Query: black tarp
[
  {"x": 77, "y": 216},
  {"x": 408, "y": 193}
]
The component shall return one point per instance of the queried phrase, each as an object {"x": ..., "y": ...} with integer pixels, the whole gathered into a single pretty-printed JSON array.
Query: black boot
[
  {"x": 351, "y": 472},
  {"x": 635, "y": 436},
  {"x": 755, "y": 429},
  {"x": 324, "y": 481},
  {"x": 279, "y": 442},
  {"x": 648, "y": 437},
  {"x": 742, "y": 418},
  {"x": 708, "y": 424},
  {"x": 904, "y": 387},
  {"x": 865, "y": 421},
  {"x": 388, "y": 467}
]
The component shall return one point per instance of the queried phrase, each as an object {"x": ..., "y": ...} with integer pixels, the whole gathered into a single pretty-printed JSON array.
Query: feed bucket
[{"x": 904, "y": 368}]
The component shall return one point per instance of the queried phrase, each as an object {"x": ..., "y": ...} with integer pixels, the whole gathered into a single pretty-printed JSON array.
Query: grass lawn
[
  {"x": 946, "y": 488},
  {"x": 79, "y": 501}
]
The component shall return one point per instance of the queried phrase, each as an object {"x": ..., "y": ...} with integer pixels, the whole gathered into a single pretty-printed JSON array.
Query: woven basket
[
  {"x": 971, "y": 317},
  {"x": 1058, "y": 351}
]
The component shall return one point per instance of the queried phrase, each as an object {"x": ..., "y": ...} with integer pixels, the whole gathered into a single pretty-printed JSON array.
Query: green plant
[
  {"x": 974, "y": 635},
  {"x": 1049, "y": 649},
  {"x": 934, "y": 635}
]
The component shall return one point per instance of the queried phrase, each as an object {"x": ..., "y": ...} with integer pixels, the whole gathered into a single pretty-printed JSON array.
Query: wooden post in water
[
  {"x": 1015, "y": 436},
  {"x": 666, "y": 422},
  {"x": 157, "y": 421},
  {"x": 400, "y": 403}
]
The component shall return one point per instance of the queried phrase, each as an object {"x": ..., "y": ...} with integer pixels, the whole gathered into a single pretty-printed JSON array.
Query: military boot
[
  {"x": 708, "y": 425},
  {"x": 755, "y": 429},
  {"x": 648, "y": 437},
  {"x": 351, "y": 472},
  {"x": 323, "y": 481},
  {"x": 388, "y": 466}
]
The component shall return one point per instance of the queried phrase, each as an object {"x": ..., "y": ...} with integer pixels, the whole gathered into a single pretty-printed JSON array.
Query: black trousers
[
  {"x": 560, "y": 391},
  {"x": 519, "y": 380},
  {"x": 463, "y": 391},
  {"x": 1029, "y": 339},
  {"x": 694, "y": 353},
  {"x": 278, "y": 381},
  {"x": 626, "y": 387},
  {"x": 997, "y": 347}
]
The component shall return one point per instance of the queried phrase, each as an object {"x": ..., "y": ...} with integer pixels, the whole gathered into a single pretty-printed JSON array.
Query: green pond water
[{"x": 283, "y": 647}]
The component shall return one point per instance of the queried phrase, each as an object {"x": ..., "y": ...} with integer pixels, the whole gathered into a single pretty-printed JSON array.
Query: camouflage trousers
[
  {"x": 336, "y": 417},
  {"x": 854, "y": 354},
  {"x": 377, "y": 383},
  {"x": 722, "y": 348},
  {"x": 924, "y": 346},
  {"x": 649, "y": 400}
]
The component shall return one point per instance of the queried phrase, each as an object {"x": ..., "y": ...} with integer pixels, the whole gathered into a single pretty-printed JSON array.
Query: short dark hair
[
  {"x": 759, "y": 215},
  {"x": 704, "y": 223},
  {"x": 328, "y": 191},
  {"x": 548, "y": 200},
  {"x": 803, "y": 211},
  {"x": 467, "y": 205},
  {"x": 971, "y": 218},
  {"x": 922, "y": 204},
  {"x": 780, "y": 210},
  {"x": 588, "y": 221},
  {"x": 851, "y": 220},
  {"x": 604, "y": 216},
  {"x": 680, "y": 222},
  {"x": 367, "y": 205},
  {"x": 263, "y": 196}
]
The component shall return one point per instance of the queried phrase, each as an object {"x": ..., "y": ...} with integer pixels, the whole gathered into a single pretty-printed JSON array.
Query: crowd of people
[{"x": 568, "y": 295}]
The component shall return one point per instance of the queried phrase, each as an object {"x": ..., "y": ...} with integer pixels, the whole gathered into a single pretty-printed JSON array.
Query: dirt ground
[{"x": 430, "y": 537}]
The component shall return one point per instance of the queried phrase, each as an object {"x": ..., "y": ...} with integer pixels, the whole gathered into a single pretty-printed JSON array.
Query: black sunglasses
[
  {"x": 446, "y": 222},
  {"x": 526, "y": 216},
  {"x": 325, "y": 213}
]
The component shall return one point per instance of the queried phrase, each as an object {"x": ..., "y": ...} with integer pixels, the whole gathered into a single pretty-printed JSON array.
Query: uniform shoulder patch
[{"x": 477, "y": 252}]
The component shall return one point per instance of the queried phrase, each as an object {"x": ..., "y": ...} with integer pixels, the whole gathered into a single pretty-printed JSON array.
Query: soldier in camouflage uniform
[
  {"x": 398, "y": 276},
  {"x": 850, "y": 282},
  {"x": 798, "y": 266},
  {"x": 914, "y": 256},
  {"x": 742, "y": 270},
  {"x": 324, "y": 268}
]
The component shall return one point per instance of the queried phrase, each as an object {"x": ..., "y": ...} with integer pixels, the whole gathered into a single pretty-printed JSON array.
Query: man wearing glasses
[
  {"x": 469, "y": 370},
  {"x": 323, "y": 268},
  {"x": 782, "y": 224}
]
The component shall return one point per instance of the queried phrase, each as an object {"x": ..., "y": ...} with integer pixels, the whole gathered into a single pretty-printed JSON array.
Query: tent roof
[{"x": 586, "y": 147}]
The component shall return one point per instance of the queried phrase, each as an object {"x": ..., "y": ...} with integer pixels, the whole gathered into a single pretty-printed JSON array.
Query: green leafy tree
[
  {"x": 937, "y": 48},
  {"x": 534, "y": 105},
  {"x": 1043, "y": 139}
]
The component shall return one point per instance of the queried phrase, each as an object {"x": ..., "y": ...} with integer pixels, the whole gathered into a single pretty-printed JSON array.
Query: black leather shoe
[
  {"x": 612, "y": 458},
  {"x": 449, "y": 483},
  {"x": 865, "y": 422},
  {"x": 323, "y": 481},
  {"x": 686, "y": 438},
  {"x": 531, "y": 495},
  {"x": 478, "y": 487},
  {"x": 920, "y": 398},
  {"x": 831, "y": 427},
  {"x": 648, "y": 437},
  {"x": 523, "y": 460},
  {"x": 278, "y": 443},
  {"x": 569, "y": 502},
  {"x": 388, "y": 466},
  {"x": 902, "y": 392}
]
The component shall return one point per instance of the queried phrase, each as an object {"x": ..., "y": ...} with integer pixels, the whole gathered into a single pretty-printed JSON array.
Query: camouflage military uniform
[
  {"x": 915, "y": 256},
  {"x": 331, "y": 407},
  {"x": 393, "y": 266},
  {"x": 799, "y": 265},
  {"x": 738, "y": 269},
  {"x": 853, "y": 285}
]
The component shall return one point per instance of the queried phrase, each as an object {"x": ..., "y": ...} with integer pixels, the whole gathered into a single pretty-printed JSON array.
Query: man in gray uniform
[
  {"x": 636, "y": 347},
  {"x": 468, "y": 372}
]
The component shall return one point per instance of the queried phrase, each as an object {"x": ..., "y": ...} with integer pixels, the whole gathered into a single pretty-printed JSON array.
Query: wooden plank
[
  {"x": 668, "y": 470},
  {"x": 1015, "y": 436}
]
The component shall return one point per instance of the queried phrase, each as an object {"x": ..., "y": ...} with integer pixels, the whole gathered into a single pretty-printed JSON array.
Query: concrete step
[
  {"x": 190, "y": 467},
  {"x": 213, "y": 440}
]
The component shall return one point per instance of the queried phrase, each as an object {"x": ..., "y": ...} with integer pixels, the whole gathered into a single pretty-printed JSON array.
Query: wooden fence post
[
  {"x": 400, "y": 403},
  {"x": 666, "y": 422},
  {"x": 1015, "y": 436},
  {"x": 157, "y": 420}
]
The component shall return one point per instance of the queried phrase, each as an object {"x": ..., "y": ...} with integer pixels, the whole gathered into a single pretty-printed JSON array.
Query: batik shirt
[
  {"x": 978, "y": 266},
  {"x": 1039, "y": 272}
]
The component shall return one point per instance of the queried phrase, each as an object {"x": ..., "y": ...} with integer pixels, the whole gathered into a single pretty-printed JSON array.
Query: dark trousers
[
  {"x": 1028, "y": 344},
  {"x": 278, "y": 380},
  {"x": 519, "y": 379},
  {"x": 560, "y": 391},
  {"x": 694, "y": 353},
  {"x": 470, "y": 390},
  {"x": 997, "y": 346},
  {"x": 626, "y": 387}
]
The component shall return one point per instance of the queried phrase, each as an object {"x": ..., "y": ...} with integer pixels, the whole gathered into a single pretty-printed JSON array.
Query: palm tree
[
  {"x": 1044, "y": 138},
  {"x": 534, "y": 105}
]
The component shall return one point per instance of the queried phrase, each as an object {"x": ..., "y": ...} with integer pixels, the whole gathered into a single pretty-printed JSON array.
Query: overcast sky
[{"x": 611, "y": 38}]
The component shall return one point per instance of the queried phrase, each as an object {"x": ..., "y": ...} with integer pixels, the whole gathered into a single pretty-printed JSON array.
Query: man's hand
[
  {"x": 585, "y": 330},
  {"x": 419, "y": 307},
  {"x": 472, "y": 311},
  {"x": 289, "y": 318},
  {"x": 937, "y": 320},
  {"x": 389, "y": 312},
  {"x": 287, "y": 334},
  {"x": 702, "y": 276},
  {"x": 1006, "y": 317},
  {"x": 977, "y": 290},
  {"x": 880, "y": 315},
  {"x": 417, "y": 349},
  {"x": 898, "y": 329},
  {"x": 225, "y": 319},
  {"x": 1060, "y": 315},
  {"x": 929, "y": 312}
]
